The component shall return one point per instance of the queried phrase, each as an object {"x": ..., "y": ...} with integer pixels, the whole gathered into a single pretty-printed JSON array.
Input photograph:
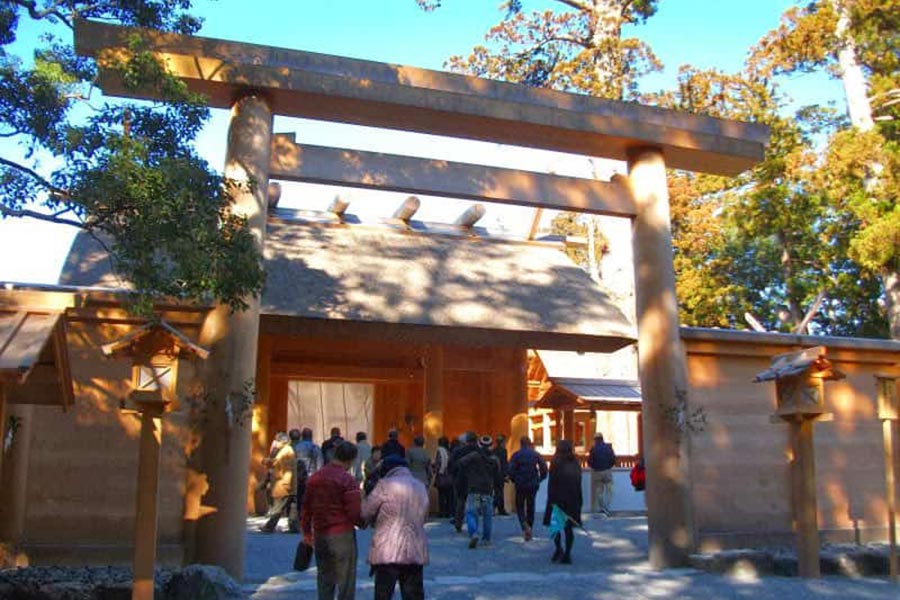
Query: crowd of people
[{"x": 326, "y": 492}]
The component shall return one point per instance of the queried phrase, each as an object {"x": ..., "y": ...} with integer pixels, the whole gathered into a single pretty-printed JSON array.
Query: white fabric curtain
[{"x": 321, "y": 405}]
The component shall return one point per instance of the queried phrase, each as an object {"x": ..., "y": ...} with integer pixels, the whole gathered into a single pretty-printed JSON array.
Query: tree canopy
[
  {"x": 125, "y": 173},
  {"x": 806, "y": 241}
]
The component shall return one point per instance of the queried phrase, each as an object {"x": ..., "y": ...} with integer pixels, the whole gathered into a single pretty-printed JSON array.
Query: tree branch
[
  {"x": 34, "y": 175},
  {"x": 24, "y": 212},
  {"x": 579, "y": 6},
  {"x": 50, "y": 11}
]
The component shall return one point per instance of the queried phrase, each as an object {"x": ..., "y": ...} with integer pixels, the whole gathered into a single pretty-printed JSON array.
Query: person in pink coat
[{"x": 397, "y": 507}]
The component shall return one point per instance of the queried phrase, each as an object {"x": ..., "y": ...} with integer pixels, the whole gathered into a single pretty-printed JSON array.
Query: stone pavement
[{"x": 609, "y": 561}]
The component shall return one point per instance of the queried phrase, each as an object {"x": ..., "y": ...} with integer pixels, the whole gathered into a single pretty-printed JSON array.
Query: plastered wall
[{"x": 739, "y": 463}]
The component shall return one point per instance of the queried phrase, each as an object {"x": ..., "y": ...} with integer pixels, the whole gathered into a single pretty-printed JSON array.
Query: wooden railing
[{"x": 622, "y": 461}]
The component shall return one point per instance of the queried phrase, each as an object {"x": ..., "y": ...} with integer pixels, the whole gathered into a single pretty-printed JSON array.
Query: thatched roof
[{"x": 387, "y": 275}]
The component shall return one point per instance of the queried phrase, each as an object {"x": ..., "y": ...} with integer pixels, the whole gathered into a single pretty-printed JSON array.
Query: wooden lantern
[
  {"x": 800, "y": 397},
  {"x": 154, "y": 350}
]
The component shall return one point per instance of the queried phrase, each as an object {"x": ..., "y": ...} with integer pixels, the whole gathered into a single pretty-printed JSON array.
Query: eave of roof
[{"x": 31, "y": 341}]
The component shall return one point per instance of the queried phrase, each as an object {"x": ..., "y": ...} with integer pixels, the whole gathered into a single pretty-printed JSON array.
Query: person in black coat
[
  {"x": 527, "y": 469},
  {"x": 503, "y": 456},
  {"x": 393, "y": 445},
  {"x": 468, "y": 443},
  {"x": 564, "y": 490}
]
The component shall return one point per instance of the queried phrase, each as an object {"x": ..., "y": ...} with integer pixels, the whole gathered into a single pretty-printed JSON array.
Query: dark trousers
[
  {"x": 336, "y": 561},
  {"x": 570, "y": 539},
  {"x": 459, "y": 511},
  {"x": 409, "y": 576},
  {"x": 445, "y": 501},
  {"x": 283, "y": 506},
  {"x": 525, "y": 505},
  {"x": 499, "y": 498}
]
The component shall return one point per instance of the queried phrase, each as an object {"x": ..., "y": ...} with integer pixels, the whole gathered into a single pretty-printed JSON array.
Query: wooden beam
[
  {"x": 10, "y": 329},
  {"x": 332, "y": 372},
  {"x": 374, "y": 170},
  {"x": 535, "y": 223},
  {"x": 333, "y": 88},
  {"x": 338, "y": 207},
  {"x": 470, "y": 216},
  {"x": 427, "y": 334},
  {"x": 63, "y": 368},
  {"x": 407, "y": 209}
]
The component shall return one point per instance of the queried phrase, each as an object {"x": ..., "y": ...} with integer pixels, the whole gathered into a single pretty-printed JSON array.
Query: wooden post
[
  {"x": 3, "y": 419},
  {"x": 662, "y": 364},
  {"x": 892, "y": 459},
  {"x": 800, "y": 401},
  {"x": 889, "y": 413},
  {"x": 14, "y": 481},
  {"x": 147, "y": 499},
  {"x": 803, "y": 483},
  {"x": 569, "y": 425},
  {"x": 230, "y": 372},
  {"x": 519, "y": 425},
  {"x": 433, "y": 421},
  {"x": 262, "y": 434}
]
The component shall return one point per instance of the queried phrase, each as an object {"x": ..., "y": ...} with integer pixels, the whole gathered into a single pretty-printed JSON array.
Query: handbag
[
  {"x": 303, "y": 556},
  {"x": 443, "y": 480}
]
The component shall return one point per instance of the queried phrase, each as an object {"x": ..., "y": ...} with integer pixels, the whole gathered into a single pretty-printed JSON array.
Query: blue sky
[{"x": 701, "y": 32}]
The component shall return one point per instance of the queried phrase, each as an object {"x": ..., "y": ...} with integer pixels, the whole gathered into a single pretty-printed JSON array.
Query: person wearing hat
[
  {"x": 601, "y": 461},
  {"x": 481, "y": 469},
  {"x": 398, "y": 508}
]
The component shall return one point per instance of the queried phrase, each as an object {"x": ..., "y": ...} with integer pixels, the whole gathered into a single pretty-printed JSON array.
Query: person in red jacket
[
  {"x": 638, "y": 476},
  {"x": 331, "y": 511}
]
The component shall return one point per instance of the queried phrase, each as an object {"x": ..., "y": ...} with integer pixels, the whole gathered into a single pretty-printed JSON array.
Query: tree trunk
[
  {"x": 606, "y": 28},
  {"x": 860, "y": 111},
  {"x": 852, "y": 75},
  {"x": 891, "y": 280}
]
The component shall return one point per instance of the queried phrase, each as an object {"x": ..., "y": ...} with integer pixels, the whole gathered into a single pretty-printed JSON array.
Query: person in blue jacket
[{"x": 527, "y": 469}]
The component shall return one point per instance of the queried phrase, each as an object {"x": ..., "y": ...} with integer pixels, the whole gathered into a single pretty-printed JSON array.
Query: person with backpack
[
  {"x": 329, "y": 445},
  {"x": 527, "y": 469},
  {"x": 601, "y": 461},
  {"x": 481, "y": 469}
]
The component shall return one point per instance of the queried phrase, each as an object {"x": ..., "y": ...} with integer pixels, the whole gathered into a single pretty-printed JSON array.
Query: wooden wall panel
[
  {"x": 740, "y": 462},
  {"x": 83, "y": 463},
  {"x": 398, "y": 406}
]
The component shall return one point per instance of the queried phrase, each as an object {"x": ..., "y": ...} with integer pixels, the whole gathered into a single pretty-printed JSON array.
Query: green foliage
[
  {"x": 770, "y": 241},
  {"x": 577, "y": 48},
  {"x": 126, "y": 173},
  {"x": 574, "y": 224}
]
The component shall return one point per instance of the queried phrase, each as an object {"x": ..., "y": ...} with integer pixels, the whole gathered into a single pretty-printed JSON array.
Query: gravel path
[{"x": 609, "y": 561}]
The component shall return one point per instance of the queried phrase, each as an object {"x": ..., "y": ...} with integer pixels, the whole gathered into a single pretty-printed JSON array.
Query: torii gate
[{"x": 256, "y": 82}]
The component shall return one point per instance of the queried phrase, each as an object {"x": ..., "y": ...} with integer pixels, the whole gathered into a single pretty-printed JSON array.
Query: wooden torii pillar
[{"x": 800, "y": 393}]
